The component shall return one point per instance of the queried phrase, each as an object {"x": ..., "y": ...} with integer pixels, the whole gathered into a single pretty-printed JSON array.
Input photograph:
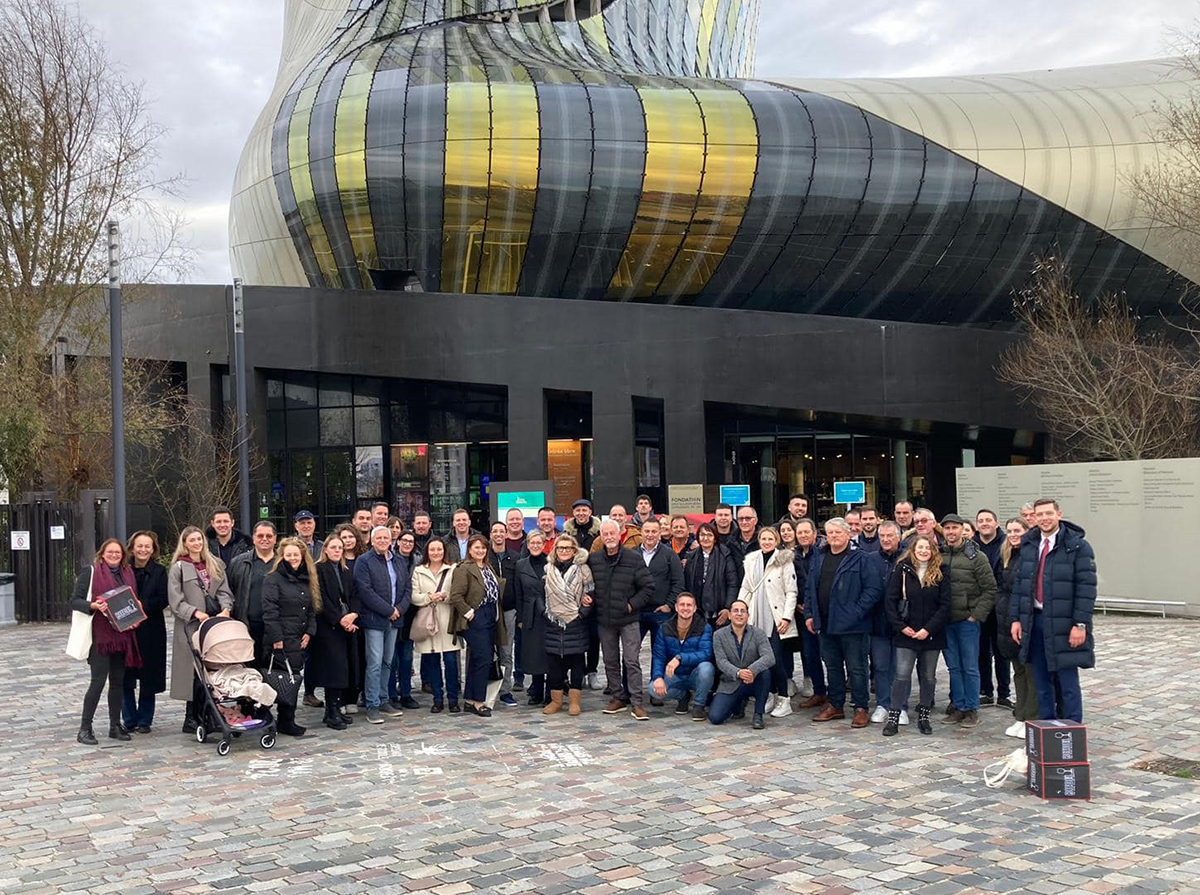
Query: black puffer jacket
[
  {"x": 1007, "y": 576},
  {"x": 287, "y": 611},
  {"x": 623, "y": 588},
  {"x": 720, "y": 588},
  {"x": 928, "y": 608},
  {"x": 574, "y": 639},
  {"x": 527, "y": 586}
]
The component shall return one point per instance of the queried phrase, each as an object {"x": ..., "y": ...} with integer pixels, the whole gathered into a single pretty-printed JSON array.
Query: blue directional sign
[
  {"x": 736, "y": 495},
  {"x": 849, "y": 492}
]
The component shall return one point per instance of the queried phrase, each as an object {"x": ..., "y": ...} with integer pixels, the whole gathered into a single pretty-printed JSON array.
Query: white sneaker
[
  {"x": 879, "y": 715},
  {"x": 1016, "y": 729},
  {"x": 591, "y": 682},
  {"x": 770, "y": 707},
  {"x": 350, "y": 709},
  {"x": 792, "y": 689},
  {"x": 783, "y": 708},
  {"x": 903, "y": 717},
  {"x": 806, "y": 688}
]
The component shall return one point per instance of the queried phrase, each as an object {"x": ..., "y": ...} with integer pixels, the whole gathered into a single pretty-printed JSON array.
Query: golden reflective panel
[
  {"x": 350, "y": 158},
  {"x": 468, "y": 156},
  {"x": 302, "y": 187}
]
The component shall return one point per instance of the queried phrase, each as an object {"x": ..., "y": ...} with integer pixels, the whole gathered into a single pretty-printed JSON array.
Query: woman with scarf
[
  {"x": 565, "y": 605},
  {"x": 112, "y": 651},
  {"x": 291, "y": 599},
  {"x": 769, "y": 588},
  {"x": 475, "y": 599},
  {"x": 334, "y": 652},
  {"x": 197, "y": 587},
  {"x": 527, "y": 594}
]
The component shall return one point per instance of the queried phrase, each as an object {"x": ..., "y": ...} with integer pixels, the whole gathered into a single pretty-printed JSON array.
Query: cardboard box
[
  {"x": 1060, "y": 781},
  {"x": 1056, "y": 742}
]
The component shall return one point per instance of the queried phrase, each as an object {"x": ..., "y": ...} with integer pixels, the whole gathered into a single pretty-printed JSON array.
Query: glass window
[
  {"x": 335, "y": 391},
  {"x": 337, "y": 427},
  {"x": 339, "y": 489},
  {"x": 300, "y": 390},
  {"x": 873, "y": 465},
  {"x": 302, "y": 429},
  {"x": 276, "y": 434},
  {"x": 367, "y": 391},
  {"x": 274, "y": 394},
  {"x": 305, "y": 483},
  {"x": 368, "y": 472},
  {"x": 367, "y": 428}
]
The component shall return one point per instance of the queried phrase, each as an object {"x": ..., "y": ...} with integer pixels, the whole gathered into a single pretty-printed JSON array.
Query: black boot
[
  {"x": 333, "y": 718},
  {"x": 117, "y": 732},
  {"x": 891, "y": 726},
  {"x": 86, "y": 736},
  {"x": 287, "y": 721},
  {"x": 189, "y": 717},
  {"x": 923, "y": 724}
]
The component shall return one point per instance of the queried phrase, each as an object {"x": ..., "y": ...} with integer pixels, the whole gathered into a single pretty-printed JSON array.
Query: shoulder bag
[
  {"x": 79, "y": 641},
  {"x": 902, "y": 606},
  {"x": 425, "y": 626},
  {"x": 286, "y": 684}
]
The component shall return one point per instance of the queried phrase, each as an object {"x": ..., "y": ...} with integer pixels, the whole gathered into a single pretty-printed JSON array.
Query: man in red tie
[{"x": 1053, "y": 597}]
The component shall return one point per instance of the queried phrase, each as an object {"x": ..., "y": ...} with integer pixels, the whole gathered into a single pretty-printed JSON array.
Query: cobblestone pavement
[{"x": 599, "y": 804}]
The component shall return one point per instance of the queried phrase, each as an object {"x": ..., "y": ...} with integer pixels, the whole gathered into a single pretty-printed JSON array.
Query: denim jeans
[
  {"x": 725, "y": 704},
  {"x": 381, "y": 647},
  {"x": 810, "y": 658},
  {"x": 431, "y": 671},
  {"x": 1044, "y": 680},
  {"x": 508, "y": 652},
  {"x": 137, "y": 711},
  {"x": 883, "y": 657},
  {"x": 846, "y": 654},
  {"x": 699, "y": 681},
  {"x": 926, "y": 662},
  {"x": 962, "y": 658}
]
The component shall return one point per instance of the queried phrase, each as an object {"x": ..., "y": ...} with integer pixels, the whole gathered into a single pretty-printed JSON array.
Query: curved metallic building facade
[{"x": 619, "y": 150}]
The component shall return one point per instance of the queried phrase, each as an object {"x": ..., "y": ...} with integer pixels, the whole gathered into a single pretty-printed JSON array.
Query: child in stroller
[{"x": 236, "y": 699}]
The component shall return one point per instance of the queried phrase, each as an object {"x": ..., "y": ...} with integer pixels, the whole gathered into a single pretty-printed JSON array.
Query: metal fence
[{"x": 45, "y": 571}]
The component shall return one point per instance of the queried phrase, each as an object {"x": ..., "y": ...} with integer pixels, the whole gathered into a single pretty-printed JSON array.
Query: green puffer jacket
[{"x": 972, "y": 582}]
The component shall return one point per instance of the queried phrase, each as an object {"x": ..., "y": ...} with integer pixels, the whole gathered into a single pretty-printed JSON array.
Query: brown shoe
[
  {"x": 555, "y": 704},
  {"x": 829, "y": 713},
  {"x": 312, "y": 700},
  {"x": 639, "y": 713},
  {"x": 617, "y": 705},
  {"x": 813, "y": 701},
  {"x": 952, "y": 717},
  {"x": 970, "y": 718},
  {"x": 575, "y": 696},
  {"x": 861, "y": 718}
]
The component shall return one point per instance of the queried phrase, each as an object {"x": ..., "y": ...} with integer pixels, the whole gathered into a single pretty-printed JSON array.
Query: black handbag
[{"x": 285, "y": 683}]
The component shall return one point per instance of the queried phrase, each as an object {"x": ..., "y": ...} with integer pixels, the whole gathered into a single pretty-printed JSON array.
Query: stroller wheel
[
  {"x": 223, "y": 747},
  {"x": 201, "y": 733},
  {"x": 267, "y": 740}
]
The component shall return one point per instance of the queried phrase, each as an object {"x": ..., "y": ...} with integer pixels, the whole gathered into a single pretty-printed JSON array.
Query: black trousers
[
  {"x": 989, "y": 655},
  {"x": 109, "y": 668},
  {"x": 593, "y": 652},
  {"x": 562, "y": 669}
]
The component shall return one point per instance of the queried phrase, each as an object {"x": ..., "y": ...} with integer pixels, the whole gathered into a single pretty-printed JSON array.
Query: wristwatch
[{"x": 1080, "y": 625}]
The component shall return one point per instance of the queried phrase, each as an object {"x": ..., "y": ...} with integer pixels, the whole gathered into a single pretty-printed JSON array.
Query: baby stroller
[{"x": 236, "y": 700}]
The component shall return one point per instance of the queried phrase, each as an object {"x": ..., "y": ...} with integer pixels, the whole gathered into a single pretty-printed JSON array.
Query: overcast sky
[{"x": 209, "y": 64}]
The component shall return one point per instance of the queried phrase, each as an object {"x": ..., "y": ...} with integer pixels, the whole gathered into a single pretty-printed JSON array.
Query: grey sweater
[{"x": 756, "y": 656}]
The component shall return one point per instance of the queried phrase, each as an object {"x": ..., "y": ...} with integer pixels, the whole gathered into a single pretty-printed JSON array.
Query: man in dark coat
[
  {"x": 989, "y": 539},
  {"x": 843, "y": 587},
  {"x": 582, "y": 525},
  {"x": 808, "y": 543},
  {"x": 883, "y": 650},
  {"x": 246, "y": 574},
  {"x": 972, "y": 596},
  {"x": 224, "y": 541},
  {"x": 623, "y": 590},
  {"x": 384, "y": 584},
  {"x": 666, "y": 571},
  {"x": 1051, "y": 610}
]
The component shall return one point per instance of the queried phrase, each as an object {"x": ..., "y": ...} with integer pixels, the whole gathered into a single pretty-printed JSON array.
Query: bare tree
[
  {"x": 78, "y": 148},
  {"x": 1104, "y": 389},
  {"x": 197, "y": 467}
]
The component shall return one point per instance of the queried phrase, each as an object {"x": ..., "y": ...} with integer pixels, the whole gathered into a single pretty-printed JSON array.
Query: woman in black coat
[
  {"x": 151, "y": 578},
  {"x": 291, "y": 599},
  {"x": 715, "y": 590},
  {"x": 334, "y": 647},
  {"x": 918, "y": 610},
  {"x": 527, "y": 592},
  {"x": 564, "y": 604},
  {"x": 1026, "y": 708}
]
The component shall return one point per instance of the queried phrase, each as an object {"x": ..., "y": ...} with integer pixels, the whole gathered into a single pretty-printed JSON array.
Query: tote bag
[
  {"x": 79, "y": 641},
  {"x": 424, "y": 626}
]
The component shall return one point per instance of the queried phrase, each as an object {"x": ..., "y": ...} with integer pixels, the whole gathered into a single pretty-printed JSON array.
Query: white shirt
[{"x": 648, "y": 555}]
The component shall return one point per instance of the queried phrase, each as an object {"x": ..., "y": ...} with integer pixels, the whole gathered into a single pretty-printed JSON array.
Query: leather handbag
[
  {"x": 79, "y": 641},
  {"x": 285, "y": 683},
  {"x": 424, "y": 625}
]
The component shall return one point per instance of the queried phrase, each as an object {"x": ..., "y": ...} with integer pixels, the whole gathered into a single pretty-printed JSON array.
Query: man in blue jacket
[
  {"x": 842, "y": 588},
  {"x": 682, "y": 658},
  {"x": 384, "y": 584},
  {"x": 1050, "y": 613}
]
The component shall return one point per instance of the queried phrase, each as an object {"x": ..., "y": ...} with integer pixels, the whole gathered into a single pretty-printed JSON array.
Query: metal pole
[
  {"x": 239, "y": 365},
  {"x": 117, "y": 364}
]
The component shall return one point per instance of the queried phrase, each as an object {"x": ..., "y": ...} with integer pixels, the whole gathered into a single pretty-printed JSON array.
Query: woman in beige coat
[
  {"x": 769, "y": 588},
  {"x": 197, "y": 587},
  {"x": 431, "y": 585}
]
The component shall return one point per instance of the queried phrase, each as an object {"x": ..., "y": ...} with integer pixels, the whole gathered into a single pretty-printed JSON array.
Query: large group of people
[{"x": 864, "y": 600}]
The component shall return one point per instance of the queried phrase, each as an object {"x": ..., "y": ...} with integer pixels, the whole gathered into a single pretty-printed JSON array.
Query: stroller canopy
[{"x": 223, "y": 641}]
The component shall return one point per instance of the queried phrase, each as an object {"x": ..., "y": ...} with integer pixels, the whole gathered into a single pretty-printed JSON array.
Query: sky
[{"x": 208, "y": 65}]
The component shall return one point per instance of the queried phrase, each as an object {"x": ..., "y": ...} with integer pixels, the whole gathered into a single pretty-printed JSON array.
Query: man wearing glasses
[
  {"x": 246, "y": 572},
  {"x": 745, "y": 540}
]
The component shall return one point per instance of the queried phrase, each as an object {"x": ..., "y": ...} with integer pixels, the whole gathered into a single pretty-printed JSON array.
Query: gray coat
[
  {"x": 756, "y": 655},
  {"x": 185, "y": 595}
]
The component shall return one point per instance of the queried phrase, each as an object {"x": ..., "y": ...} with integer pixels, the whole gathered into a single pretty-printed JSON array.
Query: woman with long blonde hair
[
  {"x": 197, "y": 587},
  {"x": 918, "y": 610},
  {"x": 291, "y": 598}
]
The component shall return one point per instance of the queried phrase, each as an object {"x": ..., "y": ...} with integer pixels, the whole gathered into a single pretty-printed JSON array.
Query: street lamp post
[
  {"x": 239, "y": 366},
  {"x": 116, "y": 363}
]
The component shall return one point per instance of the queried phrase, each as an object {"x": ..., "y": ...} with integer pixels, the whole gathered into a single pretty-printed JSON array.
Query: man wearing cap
[
  {"x": 972, "y": 596},
  {"x": 305, "y": 524},
  {"x": 582, "y": 526}
]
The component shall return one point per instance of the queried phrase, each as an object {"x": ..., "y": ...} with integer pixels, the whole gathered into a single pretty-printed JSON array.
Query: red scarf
[{"x": 106, "y": 639}]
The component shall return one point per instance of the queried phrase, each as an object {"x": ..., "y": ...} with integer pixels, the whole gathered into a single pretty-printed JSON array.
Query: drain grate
[{"x": 1176, "y": 767}]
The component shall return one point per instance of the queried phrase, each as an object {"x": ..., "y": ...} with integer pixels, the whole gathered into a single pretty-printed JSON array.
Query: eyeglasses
[
  {"x": 745, "y": 518},
  {"x": 564, "y": 548}
]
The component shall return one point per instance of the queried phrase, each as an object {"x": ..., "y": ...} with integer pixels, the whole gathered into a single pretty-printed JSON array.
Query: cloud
[{"x": 209, "y": 64}]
